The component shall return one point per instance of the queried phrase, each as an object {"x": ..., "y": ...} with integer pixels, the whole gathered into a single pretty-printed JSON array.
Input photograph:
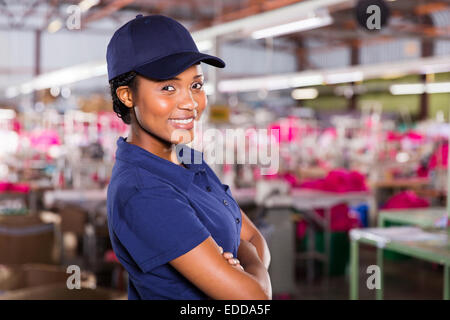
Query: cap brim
[{"x": 168, "y": 67}]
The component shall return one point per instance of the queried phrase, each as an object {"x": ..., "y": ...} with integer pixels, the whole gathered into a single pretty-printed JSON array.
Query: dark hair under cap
[{"x": 126, "y": 79}]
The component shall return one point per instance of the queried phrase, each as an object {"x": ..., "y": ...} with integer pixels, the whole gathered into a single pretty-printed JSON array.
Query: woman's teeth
[{"x": 185, "y": 121}]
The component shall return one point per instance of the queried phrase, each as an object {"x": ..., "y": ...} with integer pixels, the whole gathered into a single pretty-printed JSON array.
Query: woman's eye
[
  {"x": 200, "y": 85},
  {"x": 164, "y": 88}
]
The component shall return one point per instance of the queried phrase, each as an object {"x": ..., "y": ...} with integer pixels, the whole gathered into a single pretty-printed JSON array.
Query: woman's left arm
[{"x": 250, "y": 233}]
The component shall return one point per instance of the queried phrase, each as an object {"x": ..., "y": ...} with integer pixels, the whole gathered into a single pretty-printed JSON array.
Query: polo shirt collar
[{"x": 177, "y": 175}]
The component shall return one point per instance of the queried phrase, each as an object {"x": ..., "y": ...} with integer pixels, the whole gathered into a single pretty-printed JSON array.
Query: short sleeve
[{"x": 158, "y": 225}]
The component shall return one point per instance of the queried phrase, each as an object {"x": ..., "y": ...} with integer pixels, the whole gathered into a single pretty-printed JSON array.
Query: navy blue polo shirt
[{"x": 158, "y": 211}]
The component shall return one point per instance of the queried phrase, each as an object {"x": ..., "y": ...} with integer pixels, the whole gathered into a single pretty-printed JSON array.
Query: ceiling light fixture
[
  {"x": 296, "y": 26},
  {"x": 304, "y": 94}
]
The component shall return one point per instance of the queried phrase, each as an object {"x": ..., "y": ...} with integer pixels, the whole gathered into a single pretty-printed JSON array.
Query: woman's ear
[{"x": 125, "y": 95}]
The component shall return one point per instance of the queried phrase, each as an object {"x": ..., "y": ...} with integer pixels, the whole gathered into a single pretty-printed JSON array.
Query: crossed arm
[{"x": 207, "y": 269}]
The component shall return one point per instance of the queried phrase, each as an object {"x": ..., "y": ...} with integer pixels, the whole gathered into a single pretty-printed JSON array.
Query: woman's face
[{"x": 166, "y": 108}]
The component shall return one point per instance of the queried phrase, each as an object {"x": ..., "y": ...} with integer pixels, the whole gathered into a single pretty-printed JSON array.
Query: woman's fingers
[
  {"x": 233, "y": 261},
  {"x": 227, "y": 255}
]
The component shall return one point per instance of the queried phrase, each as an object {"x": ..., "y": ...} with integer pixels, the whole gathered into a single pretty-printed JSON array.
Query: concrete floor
[{"x": 410, "y": 279}]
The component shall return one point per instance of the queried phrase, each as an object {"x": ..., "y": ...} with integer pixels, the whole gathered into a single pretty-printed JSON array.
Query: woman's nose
[{"x": 188, "y": 102}]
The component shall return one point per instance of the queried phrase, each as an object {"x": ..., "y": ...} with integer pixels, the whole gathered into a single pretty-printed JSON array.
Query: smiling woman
[
  {"x": 173, "y": 225},
  {"x": 163, "y": 105}
]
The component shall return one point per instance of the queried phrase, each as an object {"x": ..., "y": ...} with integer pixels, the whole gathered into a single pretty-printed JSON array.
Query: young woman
[{"x": 173, "y": 225}]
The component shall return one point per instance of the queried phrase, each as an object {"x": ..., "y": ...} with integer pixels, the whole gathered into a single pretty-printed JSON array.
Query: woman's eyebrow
[{"x": 176, "y": 78}]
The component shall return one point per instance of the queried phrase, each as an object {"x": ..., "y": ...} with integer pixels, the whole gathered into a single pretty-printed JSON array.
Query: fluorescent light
[
  {"x": 296, "y": 26},
  {"x": 254, "y": 84},
  {"x": 343, "y": 77},
  {"x": 397, "y": 89},
  {"x": 54, "y": 26},
  {"x": 58, "y": 78},
  {"x": 306, "y": 80},
  {"x": 438, "y": 87},
  {"x": 435, "y": 68},
  {"x": 420, "y": 88},
  {"x": 85, "y": 5},
  {"x": 304, "y": 94}
]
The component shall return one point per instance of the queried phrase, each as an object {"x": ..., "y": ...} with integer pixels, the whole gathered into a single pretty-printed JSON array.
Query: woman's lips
[{"x": 186, "y": 124}]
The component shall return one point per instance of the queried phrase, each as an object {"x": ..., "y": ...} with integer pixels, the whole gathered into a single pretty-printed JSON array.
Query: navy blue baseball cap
[{"x": 154, "y": 46}]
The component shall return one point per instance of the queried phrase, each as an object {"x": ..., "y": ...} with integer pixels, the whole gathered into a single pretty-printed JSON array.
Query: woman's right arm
[{"x": 205, "y": 267}]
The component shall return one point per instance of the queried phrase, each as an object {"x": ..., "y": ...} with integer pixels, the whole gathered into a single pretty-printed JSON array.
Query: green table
[
  {"x": 424, "y": 218},
  {"x": 432, "y": 246}
]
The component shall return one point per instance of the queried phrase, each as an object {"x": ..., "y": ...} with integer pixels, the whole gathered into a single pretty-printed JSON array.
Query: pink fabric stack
[
  {"x": 341, "y": 181},
  {"x": 14, "y": 187},
  {"x": 406, "y": 199}
]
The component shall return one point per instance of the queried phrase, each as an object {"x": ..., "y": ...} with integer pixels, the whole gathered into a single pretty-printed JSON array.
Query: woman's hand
[
  {"x": 229, "y": 257},
  {"x": 248, "y": 255},
  {"x": 211, "y": 273}
]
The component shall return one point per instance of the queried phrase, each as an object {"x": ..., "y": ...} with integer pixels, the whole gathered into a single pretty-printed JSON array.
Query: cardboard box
[
  {"x": 61, "y": 292},
  {"x": 26, "y": 239}
]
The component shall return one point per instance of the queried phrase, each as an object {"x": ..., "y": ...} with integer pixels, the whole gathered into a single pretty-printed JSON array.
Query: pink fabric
[
  {"x": 275, "y": 176},
  {"x": 341, "y": 220},
  {"x": 415, "y": 136},
  {"x": 292, "y": 179},
  {"x": 393, "y": 136},
  {"x": 14, "y": 187},
  {"x": 422, "y": 172},
  {"x": 4, "y": 186},
  {"x": 288, "y": 129},
  {"x": 110, "y": 256},
  {"x": 20, "y": 187},
  {"x": 330, "y": 131},
  {"x": 338, "y": 181},
  {"x": 410, "y": 135},
  {"x": 406, "y": 199},
  {"x": 257, "y": 174},
  {"x": 44, "y": 139},
  {"x": 301, "y": 227},
  {"x": 439, "y": 157}
]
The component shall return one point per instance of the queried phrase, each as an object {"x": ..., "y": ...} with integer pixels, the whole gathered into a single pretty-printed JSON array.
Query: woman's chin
[{"x": 182, "y": 136}]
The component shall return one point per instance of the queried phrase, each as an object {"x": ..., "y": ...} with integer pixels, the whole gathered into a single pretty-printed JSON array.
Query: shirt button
[
  {"x": 225, "y": 202},
  {"x": 208, "y": 188},
  {"x": 238, "y": 220}
]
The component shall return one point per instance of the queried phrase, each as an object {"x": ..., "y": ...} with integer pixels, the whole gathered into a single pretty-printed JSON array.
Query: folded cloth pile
[
  {"x": 14, "y": 187},
  {"x": 340, "y": 180},
  {"x": 406, "y": 199}
]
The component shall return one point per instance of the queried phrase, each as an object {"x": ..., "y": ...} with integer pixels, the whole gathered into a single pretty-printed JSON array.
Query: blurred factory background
[{"x": 363, "y": 120}]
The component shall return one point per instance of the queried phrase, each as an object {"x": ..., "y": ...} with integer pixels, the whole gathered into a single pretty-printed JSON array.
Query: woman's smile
[{"x": 186, "y": 123}]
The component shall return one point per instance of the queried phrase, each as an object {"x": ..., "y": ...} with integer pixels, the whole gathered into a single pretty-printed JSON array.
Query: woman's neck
[{"x": 152, "y": 144}]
